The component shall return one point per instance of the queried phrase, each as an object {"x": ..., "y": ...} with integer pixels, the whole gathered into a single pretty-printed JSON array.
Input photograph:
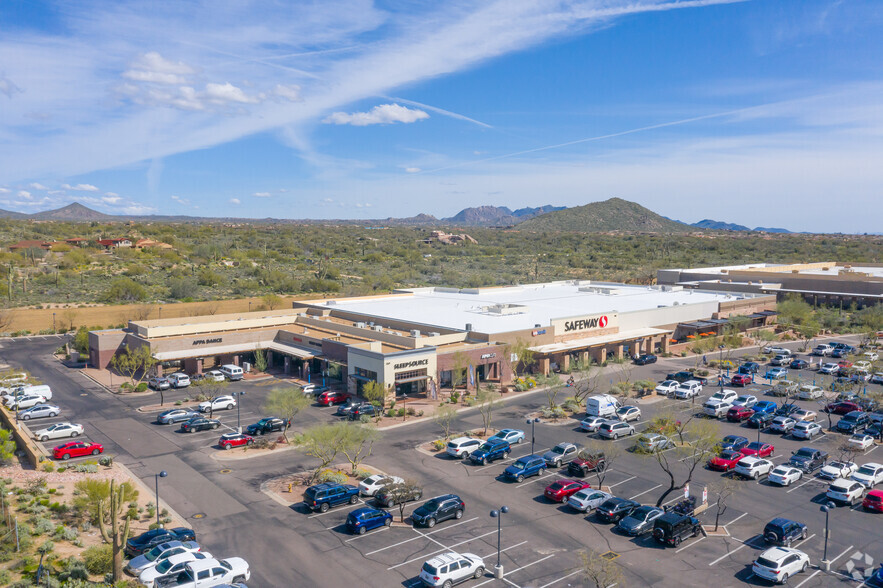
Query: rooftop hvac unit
[
  {"x": 468, "y": 326},
  {"x": 415, "y": 332},
  {"x": 359, "y": 325},
  {"x": 537, "y": 326},
  {"x": 434, "y": 334},
  {"x": 371, "y": 324},
  {"x": 331, "y": 303},
  {"x": 377, "y": 328}
]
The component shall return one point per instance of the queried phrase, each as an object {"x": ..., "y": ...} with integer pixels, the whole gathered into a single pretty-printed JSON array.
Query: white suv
[
  {"x": 810, "y": 392},
  {"x": 780, "y": 563},
  {"x": 179, "y": 380},
  {"x": 451, "y": 568},
  {"x": 462, "y": 446},
  {"x": 806, "y": 430},
  {"x": 753, "y": 467},
  {"x": 688, "y": 389},
  {"x": 845, "y": 491},
  {"x": 219, "y": 403}
]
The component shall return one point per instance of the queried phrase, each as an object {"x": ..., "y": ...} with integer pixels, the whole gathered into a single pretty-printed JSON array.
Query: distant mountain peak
[
  {"x": 613, "y": 214},
  {"x": 73, "y": 212}
]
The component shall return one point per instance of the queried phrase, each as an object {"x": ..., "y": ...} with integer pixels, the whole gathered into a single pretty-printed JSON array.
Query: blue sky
[{"x": 764, "y": 113}]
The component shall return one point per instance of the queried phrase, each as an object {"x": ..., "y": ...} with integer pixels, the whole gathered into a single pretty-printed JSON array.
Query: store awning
[
  {"x": 292, "y": 350},
  {"x": 361, "y": 378},
  {"x": 622, "y": 337},
  {"x": 239, "y": 348},
  {"x": 412, "y": 379}
]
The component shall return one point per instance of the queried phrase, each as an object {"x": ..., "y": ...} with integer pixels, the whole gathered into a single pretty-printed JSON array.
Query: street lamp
[
  {"x": 238, "y": 402},
  {"x": 53, "y": 323},
  {"x": 156, "y": 478},
  {"x": 532, "y": 423},
  {"x": 498, "y": 514},
  {"x": 826, "y": 508},
  {"x": 720, "y": 367}
]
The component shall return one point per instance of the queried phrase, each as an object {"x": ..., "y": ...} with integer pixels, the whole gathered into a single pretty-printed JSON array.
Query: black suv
[
  {"x": 614, "y": 509},
  {"x": 760, "y": 420},
  {"x": 364, "y": 409},
  {"x": 808, "y": 459},
  {"x": 781, "y": 531},
  {"x": 440, "y": 508},
  {"x": 680, "y": 377},
  {"x": 324, "y": 496},
  {"x": 672, "y": 528},
  {"x": 394, "y": 494},
  {"x": 200, "y": 424},
  {"x": 853, "y": 422},
  {"x": 265, "y": 425},
  {"x": 645, "y": 359},
  {"x": 147, "y": 541}
]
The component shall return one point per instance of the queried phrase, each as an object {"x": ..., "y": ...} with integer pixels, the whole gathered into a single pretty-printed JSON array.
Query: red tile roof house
[
  {"x": 29, "y": 244},
  {"x": 114, "y": 243}
]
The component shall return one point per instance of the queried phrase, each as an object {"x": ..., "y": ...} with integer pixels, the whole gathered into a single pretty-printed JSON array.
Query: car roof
[
  {"x": 459, "y": 440},
  {"x": 444, "y": 559},
  {"x": 777, "y": 554}
]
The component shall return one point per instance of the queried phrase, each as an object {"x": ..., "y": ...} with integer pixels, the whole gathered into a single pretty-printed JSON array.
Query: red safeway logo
[{"x": 602, "y": 322}]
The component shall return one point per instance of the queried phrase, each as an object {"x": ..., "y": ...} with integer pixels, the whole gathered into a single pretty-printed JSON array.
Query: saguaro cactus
[{"x": 118, "y": 532}]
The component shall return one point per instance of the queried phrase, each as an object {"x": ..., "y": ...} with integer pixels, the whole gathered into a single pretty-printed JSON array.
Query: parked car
[
  {"x": 321, "y": 497},
  {"x": 787, "y": 410},
  {"x": 853, "y": 422},
  {"x": 231, "y": 440},
  {"x": 586, "y": 462},
  {"x": 870, "y": 356},
  {"x": 869, "y": 474},
  {"x": 809, "y": 392},
  {"x": 780, "y": 563},
  {"x": 135, "y": 546},
  {"x": 719, "y": 403},
  {"x": 39, "y": 411},
  {"x": 861, "y": 441},
  {"x": 873, "y": 501},
  {"x": 760, "y": 420},
  {"x": 628, "y": 413},
  {"x": 645, "y": 359},
  {"x": 525, "y": 467},
  {"x": 345, "y": 409},
  {"x": 844, "y": 491},
  {"x": 365, "y": 409},
  {"x": 160, "y": 553},
  {"x": 370, "y": 485},
  {"x": 211, "y": 573},
  {"x": 214, "y": 376},
  {"x": 837, "y": 469},
  {"x": 672, "y": 528},
  {"x": 808, "y": 459},
  {"x": 650, "y": 443},
  {"x": 758, "y": 448},
  {"x": 806, "y": 430},
  {"x": 735, "y": 442},
  {"x": 798, "y": 364},
  {"x": 782, "y": 531},
  {"x": 804, "y": 414},
  {"x": 615, "y": 430},
  {"x": 561, "y": 454},
  {"x": 179, "y": 380},
  {"x": 451, "y": 568},
  {"x": 491, "y": 450},
  {"x": 746, "y": 400},
  {"x": 667, "y": 387},
  {"x": 877, "y": 378},
  {"x": 224, "y": 402},
  {"x": 614, "y": 509},
  {"x": 688, "y": 389},
  {"x": 26, "y": 401},
  {"x": 737, "y": 414},
  {"x": 753, "y": 467},
  {"x": 199, "y": 423},
  {"x": 842, "y": 407},
  {"x": 394, "y": 494},
  {"x": 170, "y": 567},
  {"x": 784, "y": 475},
  {"x": 749, "y": 367},
  {"x": 462, "y": 447},
  {"x": 510, "y": 436},
  {"x": 767, "y": 406},
  {"x": 823, "y": 349},
  {"x": 175, "y": 415},
  {"x": 741, "y": 380},
  {"x": 781, "y": 360},
  {"x": 782, "y": 424},
  {"x": 440, "y": 508},
  {"x": 776, "y": 373},
  {"x": 588, "y": 499},
  {"x": 266, "y": 425},
  {"x": 776, "y": 350},
  {"x": 76, "y": 449},
  {"x": 159, "y": 383},
  {"x": 725, "y": 461},
  {"x": 783, "y": 388},
  {"x": 59, "y": 431},
  {"x": 365, "y": 519},
  {"x": 829, "y": 368},
  {"x": 591, "y": 424},
  {"x": 331, "y": 397},
  {"x": 681, "y": 376},
  {"x": 561, "y": 490},
  {"x": 639, "y": 521}
]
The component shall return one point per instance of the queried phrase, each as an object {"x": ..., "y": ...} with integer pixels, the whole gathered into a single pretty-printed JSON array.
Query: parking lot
[{"x": 540, "y": 541}]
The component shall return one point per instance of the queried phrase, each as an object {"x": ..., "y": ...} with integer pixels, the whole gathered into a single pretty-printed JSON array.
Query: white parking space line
[
  {"x": 645, "y": 492},
  {"x": 845, "y": 551},
  {"x": 516, "y": 570},
  {"x": 573, "y": 573},
  {"x": 331, "y": 510},
  {"x": 441, "y": 550},
  {"x": 425, "y": 536},
  {"x": 804, "y": 540},
  {"x": 675, "y": 499},
  {"x": 491, "y": 555},
  {"x": 541, "y": 478},
  {"x": 415, "y": 538},
  {"x": 732, "y": 551},
  {"x": 808, "y": 578},
  {"x": 623, "y": 482},
  {"x": 367, "y": 534},
  {"x": 809, "y": 481},
  {"x": 736, "y": 519},
  {"x": 508, "y": 459},
  {"x": 690, "y": 544}
]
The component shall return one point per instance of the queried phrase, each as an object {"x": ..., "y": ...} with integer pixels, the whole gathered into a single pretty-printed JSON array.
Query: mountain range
[{"x": 614, "y": 214}]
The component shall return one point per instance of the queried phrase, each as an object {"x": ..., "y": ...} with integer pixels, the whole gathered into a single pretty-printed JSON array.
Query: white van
[
  {"x": 231, "y": 372},
  {"x": 602, "y": 405},
  {"x": 40, "y": 390}
]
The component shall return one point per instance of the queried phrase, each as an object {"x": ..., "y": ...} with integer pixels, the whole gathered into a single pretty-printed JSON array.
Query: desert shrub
[
  {"x": 438, "y": 444},
  {"x": 334, "y": 476},
  {"x": 48, "y": 467},
  {"x": 42, "y": 526},
  {"x": 98, "y": 559},
  {"x": 141, "y": 387},
  {"x": 362, "y": 474}
]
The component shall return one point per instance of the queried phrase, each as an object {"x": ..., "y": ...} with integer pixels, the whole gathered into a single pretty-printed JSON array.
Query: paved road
[{"x": 540, "y": 541}]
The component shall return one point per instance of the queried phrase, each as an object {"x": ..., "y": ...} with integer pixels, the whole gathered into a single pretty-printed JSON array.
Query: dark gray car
[{"x": 640, "y": 521}]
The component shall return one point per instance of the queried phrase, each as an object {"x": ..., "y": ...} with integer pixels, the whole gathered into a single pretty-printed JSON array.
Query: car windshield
[
  {"x": 485, "y": 447},
  {"x": 429, "y": 569},
  {"x": 581, "y": 495},
  {"x": 764, "y": 562},
  {"x": 643, "y": 512},
  {"x": 755, "y": 446},
  {"x": 154, "y": 553},
  {"x": 558, "y": 449},
  {"x": 431, "y": 505},
  {"x": 730, "y": 454},
  {"x": 556, "y": 486},
  {"x": 781, "y": 471},
  {"x": 163, "y": 567},
  {"x": 517, "y": 465},
  {"x": 805, "y": 452},
  {"x": 867, "y": 471}
]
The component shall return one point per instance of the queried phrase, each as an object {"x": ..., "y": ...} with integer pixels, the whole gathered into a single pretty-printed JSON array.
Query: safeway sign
[{"x": 584, "y": 323}]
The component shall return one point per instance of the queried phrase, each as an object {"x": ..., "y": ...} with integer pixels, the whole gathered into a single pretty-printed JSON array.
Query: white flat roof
[
  {"x": 532, "y": 304},
  {"x": 821, "y": 269}
]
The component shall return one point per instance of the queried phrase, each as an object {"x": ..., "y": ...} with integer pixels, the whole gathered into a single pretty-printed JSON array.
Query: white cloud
[
  {"x": 111, "y": 194},
  {"x": 290, "y": 93},
  {"x": 413, "y": 170},
  {"x": 80, "y": 187},
  {"x": 235, "y": 201},
  {"x": 23, "y": 194},
  {"x": 111, "y": 199},
  {"x": 180, "y": 200},
  {"x": 381, "y": 114},
  {"x": 154, "y": 68},
  {"x": 261, "y": 194},
  {"x": 8, "y": 87},
  {"x": 227, "y": 92},
  {"x": 37, "y": 186},
  {"x": 4, "y": 190},
  {"x": 55, "y": 192}
]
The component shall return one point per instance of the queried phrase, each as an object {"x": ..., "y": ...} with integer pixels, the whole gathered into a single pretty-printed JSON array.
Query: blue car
[
  {"x": 734, "y": 442},
  {"x": 490, "y": 450},
  {"x": 776, "y": 373},
  {"x": 367, "y": 519},
  {"x": 511, "y": 436},
  {"x": 525, "y": 467},
  {"x": 766, "y": 406}
]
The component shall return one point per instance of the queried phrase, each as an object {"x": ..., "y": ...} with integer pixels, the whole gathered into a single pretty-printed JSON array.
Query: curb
[
  {"x": 275, "y": 497},
  {"x": 250, "y": 454},
  {"x": 143, "y": 487}
]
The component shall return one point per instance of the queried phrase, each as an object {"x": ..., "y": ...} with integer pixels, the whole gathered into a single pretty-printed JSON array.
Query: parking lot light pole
[
  {"x": 498, "y": 514},
  {"x": 720, "y": 367},
  {"x": 826, "y": 508},
  {"x": 532, "y": 423},
  {"x": 239, "y": 396},
  {"x": 156, "y": 478}
]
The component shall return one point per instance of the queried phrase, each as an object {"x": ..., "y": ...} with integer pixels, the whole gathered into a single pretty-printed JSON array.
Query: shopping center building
[{"x": 416, "y": 340}]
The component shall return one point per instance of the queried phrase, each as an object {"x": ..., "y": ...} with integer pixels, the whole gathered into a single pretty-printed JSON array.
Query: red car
[
  {"x": 843, "y": 407},
  {"x": 76, "y": 449},
  {"x": 332, "y": 397},
  {"x": 561, "y": 490},
  {"x": 231, "y": 440},
  {"x": 844, "y": 364},
  {"x": 873, "y": 501},
  {"x": 737, "y": 414},
  {"x": 726, "y": 461},
  {"x": 741, "y": 380},
  {"x": 758, "y": 449}
]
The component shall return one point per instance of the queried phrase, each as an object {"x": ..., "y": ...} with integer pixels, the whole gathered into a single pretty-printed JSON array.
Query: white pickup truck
[{"x": 719, "y": 403}]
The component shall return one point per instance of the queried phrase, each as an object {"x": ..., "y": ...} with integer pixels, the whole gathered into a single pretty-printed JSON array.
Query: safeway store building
[{"x": 413, "y": 341}]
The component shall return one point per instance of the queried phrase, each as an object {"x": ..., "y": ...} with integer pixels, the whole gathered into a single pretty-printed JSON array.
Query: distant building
[
  {"x": 825, "y": 282},
  {"x": 115, "y": 243},
  {"x": 31, "y": 244},
  {"x": 150, "y": 243},
  {"x": 450, "y": 239}
]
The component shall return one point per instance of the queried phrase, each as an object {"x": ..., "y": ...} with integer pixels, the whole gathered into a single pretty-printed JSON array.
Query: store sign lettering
[
  {"x": 489, "y": 356},
  {"x": 410, "y": 364},
  {"x": 538, "y": 332},
  {"x": 207, "y": 341},
  {"x": 587, "y": 323}
]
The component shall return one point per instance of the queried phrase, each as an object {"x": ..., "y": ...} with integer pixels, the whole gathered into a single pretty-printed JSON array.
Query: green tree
[
  {"x": 680, "y": 463},
  {"x": 125, "y": 290},
  {"x": 80, "y": 342},
  {"x": 487, "y": 401},
  {"x": 287, "y": 402},
  {"x": 358, "y": 443},
  {"x": 375, "y": 393},
  {"x": 182, "y": 288},
  {"x": 444, "y": 417},
  {"x": 260, "y": 360},
  {"x": 207, "y": 277},
  {"x": 7, "y": 446},
  {"x": 134, "y": 364},
  {"x": 519, "y": 355},
  {"x": 272, "y": 301},
  {"x": 459, "y": 369},
  {"x": 324, "y": 442}
]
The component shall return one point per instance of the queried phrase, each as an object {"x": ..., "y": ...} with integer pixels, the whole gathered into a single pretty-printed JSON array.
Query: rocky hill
[
  {"x": 615, "y": 214},
  {"x": 719, "y": 225},
  {"x": 74, "y": 212}
]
